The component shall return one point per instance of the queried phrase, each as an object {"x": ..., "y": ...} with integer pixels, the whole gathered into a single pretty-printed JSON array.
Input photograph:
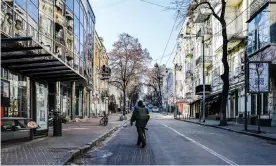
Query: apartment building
[
  {"x": 261, "y": 47},
  {"x": 46, "y": 62},
  {"x": 101, "y": 75},
  {"x": 201, "y": 33}
]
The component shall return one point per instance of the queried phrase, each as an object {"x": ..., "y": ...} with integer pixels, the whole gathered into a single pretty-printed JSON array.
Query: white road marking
[{"x": 204, "y": 147}]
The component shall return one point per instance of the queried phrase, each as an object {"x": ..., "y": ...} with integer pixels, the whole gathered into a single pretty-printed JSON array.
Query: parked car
[
  {"x": 150, "y": 106},
  {"x": 155, "y": 109}
]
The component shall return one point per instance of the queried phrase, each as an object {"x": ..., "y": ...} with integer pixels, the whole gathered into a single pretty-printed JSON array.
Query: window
[
  {"x": 85, "y": 23},
  {"x": 77, "y": 27},
  {"x": 81, "y": 34},
  {"x": 69, "y": 4},
  {"x": 22, "y": 3},
  {"x": 33, "y": 11},
  {"x": 259, "y": 31},
  {"x": 77, "y": 8},
  {"x": 265, "y": 103},
  {"x": 35, "y": 2},
  {"x": 81, "y": 14},
  {"x": 18, "y": 96},
  {"x": 76, "y": 45}
]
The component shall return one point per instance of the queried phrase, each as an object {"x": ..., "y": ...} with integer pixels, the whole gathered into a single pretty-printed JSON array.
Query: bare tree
[
  {"x": 128, "y": 61},
  {"x": 154, "y": 81},
  {"x": 186, "y": 7}
]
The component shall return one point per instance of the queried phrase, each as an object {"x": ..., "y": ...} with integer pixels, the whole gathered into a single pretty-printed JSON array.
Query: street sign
[{"x": 258, "y": 81}]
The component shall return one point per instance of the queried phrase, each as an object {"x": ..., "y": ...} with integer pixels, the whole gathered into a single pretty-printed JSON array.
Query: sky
[{"x": 151, "y": 24}]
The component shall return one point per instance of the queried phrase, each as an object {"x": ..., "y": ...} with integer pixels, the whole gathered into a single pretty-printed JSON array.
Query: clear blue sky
[{"x": 150, "y": 24}]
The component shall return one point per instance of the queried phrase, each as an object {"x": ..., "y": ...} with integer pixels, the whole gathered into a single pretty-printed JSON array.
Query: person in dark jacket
[{"x": 141, "y": 117}]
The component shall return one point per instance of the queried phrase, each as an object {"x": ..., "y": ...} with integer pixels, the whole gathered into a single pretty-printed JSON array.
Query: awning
[
  {"x": 213, "y": 98},
  {"x": 182, "y": 101},
  {"x": 30, "y": 58}
]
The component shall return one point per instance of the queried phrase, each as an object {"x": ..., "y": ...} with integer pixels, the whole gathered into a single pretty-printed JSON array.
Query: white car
[{"x": 155, "y": 109}]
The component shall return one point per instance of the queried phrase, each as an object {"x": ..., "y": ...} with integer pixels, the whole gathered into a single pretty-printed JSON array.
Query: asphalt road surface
[{"x": 172, "y": 142}]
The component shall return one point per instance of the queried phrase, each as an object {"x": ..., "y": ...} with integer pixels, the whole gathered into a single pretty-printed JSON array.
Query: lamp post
[{"x": 203, "y": 73}]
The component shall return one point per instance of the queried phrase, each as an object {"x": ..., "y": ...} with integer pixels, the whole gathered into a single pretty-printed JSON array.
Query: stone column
[{"x": 73, "y": 100}]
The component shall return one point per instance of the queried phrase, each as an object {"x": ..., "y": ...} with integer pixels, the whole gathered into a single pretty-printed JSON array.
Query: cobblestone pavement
[
  {"x": 171, "y": 142},
  {"x": 266, "y": 131},
  {"x": 50, "y": 150}
]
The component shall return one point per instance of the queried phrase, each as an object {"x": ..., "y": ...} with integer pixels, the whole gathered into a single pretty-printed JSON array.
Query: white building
[{"x": 189, "y": 69}]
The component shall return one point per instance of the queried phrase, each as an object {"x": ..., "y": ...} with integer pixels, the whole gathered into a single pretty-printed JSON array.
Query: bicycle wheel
[
  {"x": 102, "y": 121},
  {"x": 106, "y": 121}
]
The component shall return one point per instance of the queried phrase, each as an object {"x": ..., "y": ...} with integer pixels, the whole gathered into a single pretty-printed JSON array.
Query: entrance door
[{"x": 232, "y": 107}]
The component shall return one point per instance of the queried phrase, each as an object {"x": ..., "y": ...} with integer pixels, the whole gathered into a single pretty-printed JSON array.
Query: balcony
[
  {"x": 105, "y": 72},
  {"x": 189, "y": 54},
  {"x": 189, "y": 74},
  {"x": 207, "y": 60},
  {"x": 188, "y": 95},
  {"x": 202, "y": 14},
  {"x": 233, "y": 2},
  {"x": 199, "y": 89}
]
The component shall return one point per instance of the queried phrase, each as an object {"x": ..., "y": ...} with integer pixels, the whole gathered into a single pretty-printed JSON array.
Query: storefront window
[
  {"x": 259, "y": 31},
  {"x": 17, "y": 94},
  {"x": 41, "y": 105}
]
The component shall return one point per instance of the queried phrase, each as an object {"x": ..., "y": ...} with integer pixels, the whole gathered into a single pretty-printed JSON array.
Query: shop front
[{"x": 31, "y": 80}]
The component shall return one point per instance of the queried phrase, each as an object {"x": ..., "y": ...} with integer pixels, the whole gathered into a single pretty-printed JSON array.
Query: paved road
[{"x": 175, "y": 142}]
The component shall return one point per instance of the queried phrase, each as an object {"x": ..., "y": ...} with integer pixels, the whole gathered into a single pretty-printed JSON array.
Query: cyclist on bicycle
[{"x": 141, "y": 116}]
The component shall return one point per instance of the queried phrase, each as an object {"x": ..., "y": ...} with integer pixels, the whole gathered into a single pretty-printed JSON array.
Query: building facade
[
  {"x": 201, "y": 33},
  {"x": 51, "y": 68}
]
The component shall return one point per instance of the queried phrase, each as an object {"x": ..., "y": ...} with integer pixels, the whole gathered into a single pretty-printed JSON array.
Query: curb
[
  {"x": 73, "y": 154},
  {"x": 235, "y": 131}
]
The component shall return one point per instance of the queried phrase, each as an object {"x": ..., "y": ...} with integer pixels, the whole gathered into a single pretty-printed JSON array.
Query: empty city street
[{"x": 175, "y": 142}]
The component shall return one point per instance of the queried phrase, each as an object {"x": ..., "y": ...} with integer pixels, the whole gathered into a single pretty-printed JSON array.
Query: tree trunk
[
  {"x": 224, "y": 77},
  {"x": 124, "y": 100}
]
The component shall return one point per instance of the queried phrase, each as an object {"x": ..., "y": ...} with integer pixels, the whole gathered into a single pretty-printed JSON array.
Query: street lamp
[{"x": 203, "y": 71}]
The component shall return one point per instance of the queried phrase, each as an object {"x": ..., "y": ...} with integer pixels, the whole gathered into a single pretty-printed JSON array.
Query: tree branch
[{"x": 210, "y": 7}]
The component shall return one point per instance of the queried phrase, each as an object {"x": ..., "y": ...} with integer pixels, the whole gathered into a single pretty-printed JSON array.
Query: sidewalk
[
  {"x": 268, "y": 133},
  {"x": 76, "y": 137}
]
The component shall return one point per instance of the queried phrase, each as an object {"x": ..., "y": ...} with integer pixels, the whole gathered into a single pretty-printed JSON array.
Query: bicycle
[{"x": 104, "y": 120}]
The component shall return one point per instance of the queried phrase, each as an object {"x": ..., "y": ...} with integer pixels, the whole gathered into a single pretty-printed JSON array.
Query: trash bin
[{"x": 57, "y": 125}]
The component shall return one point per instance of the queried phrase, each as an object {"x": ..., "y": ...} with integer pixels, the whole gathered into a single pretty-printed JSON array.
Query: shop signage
[
  {"x": 258, "y": 77},
  {"x": 41, "y": 106},
  {"x": 6, "y": 92}
]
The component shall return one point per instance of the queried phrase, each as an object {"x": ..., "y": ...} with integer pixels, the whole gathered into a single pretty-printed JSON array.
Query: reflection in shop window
[
  {"x": 76, "y": 27},
  {"x": 22, "y": 4},
  {"x": 77, "y": 8},
  {"x": 77, "y": 46},
  {"x": 18, "y": 96},
  {"x": 259, "y": 31},
  {"x": 33, "y": 11},
  {"x": 69, "y": 4}
]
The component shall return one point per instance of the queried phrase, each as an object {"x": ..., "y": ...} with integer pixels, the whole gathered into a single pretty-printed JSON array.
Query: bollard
[{"x": 57, "y": 125}]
